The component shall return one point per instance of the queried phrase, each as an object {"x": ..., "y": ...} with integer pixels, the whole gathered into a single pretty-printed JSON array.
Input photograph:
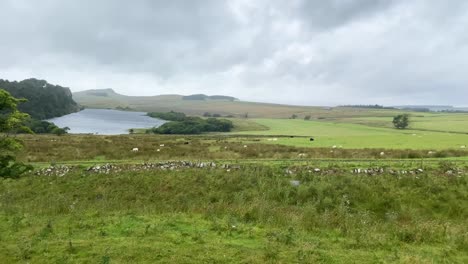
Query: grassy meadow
[
  {"x": 356, "y": 136},
  {"x": 361, "y": 192},
  {"x": 250, "y": 215}
]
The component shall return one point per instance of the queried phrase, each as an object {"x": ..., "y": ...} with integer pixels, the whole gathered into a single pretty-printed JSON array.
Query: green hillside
[
  {"x": 107, "y": 98},
  {"x": 44, "y": 100}
]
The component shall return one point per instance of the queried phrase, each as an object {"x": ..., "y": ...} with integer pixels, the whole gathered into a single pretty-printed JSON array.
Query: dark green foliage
[
  {"x": 10, "y": 121},
  {"x": 43, "y": 127},
  {"x": 194, "y": 125},
  {"x": 401, "y": 121},
  {"x": 182, "y": 124},
  {"x": 60, "y": 131},
  {"x": 307, "y": 117},
  {"x": 169, "y": 116},
  {"x": 44, "y": 100},
  {"x": 293, "y": 116}
]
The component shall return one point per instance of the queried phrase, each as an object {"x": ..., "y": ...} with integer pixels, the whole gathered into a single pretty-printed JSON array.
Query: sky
[{"x": 306, "y": 52}]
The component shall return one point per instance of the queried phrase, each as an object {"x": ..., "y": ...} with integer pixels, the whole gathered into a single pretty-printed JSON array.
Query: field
[
  {"x": 348, "y": 135},
  {"x": 361, "y": 192},
  {"x": 245, "y": 214}
]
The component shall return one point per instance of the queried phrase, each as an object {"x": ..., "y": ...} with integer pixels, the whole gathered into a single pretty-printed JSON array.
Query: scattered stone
[{"x": 295, "y": 183}]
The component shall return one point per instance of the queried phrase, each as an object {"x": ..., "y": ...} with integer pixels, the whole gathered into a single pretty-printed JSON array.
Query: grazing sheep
[
  {"x": 463, "y": 146},
  {"x": 135, "y": 149},
  {"x": 334, "y": 146},
  {"x": 158, "y": 150},
  {"x": 382, "y": 153},
  {"x": 245, "y": 146},
  {"x": 162, "y": 145}
]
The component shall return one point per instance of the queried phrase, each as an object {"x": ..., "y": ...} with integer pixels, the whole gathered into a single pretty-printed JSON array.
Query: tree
[
  {"x": 307, "y": 117},
  {"x": 401, "y": 121},
  {"x": 293, "y": 116},
  {"x": 11, "y": 120},
  {"x": 60, "y": 131}
]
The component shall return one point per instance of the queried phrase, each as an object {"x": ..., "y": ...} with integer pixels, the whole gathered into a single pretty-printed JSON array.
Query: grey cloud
[{"x": 341, "y": 51}]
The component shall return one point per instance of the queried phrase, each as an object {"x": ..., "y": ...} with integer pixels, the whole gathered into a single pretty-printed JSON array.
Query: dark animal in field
[
  {"x": 311, "y": 139},
  {"x": 186, "y": 143}
]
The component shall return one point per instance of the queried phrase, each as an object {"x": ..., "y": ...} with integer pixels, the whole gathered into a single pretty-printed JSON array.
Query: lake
[{"x": 105, "y": 122}]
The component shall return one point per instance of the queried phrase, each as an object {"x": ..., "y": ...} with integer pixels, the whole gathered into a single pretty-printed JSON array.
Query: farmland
[
  {"x": 248, "y": 214},
  {"x": 263, "y": 193},
  {"x": 349, "y": 135}
]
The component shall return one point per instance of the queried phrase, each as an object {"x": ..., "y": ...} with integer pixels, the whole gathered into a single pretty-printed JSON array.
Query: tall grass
[
  {"x": 44, "y": 148},
  {"x": 253, "y": 214}
]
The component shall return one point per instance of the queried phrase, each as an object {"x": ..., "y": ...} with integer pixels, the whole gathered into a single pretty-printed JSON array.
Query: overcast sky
[{"x": 309, "y": 52}]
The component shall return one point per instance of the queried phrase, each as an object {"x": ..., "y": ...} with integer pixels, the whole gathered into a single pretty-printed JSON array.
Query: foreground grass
[{"x": 251, "y": 215}]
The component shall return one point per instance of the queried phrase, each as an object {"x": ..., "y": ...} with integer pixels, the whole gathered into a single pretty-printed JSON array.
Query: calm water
[{"x": 105, "y": 122}]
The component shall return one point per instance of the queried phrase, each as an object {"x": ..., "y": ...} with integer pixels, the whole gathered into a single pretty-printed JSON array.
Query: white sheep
[
  {"x": 162, "y": 145},
  {"x": 134, "y": 149}
]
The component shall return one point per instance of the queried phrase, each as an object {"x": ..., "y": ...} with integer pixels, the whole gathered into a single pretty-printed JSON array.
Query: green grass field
[
  {"x": 329, "y": 134},
  {"x": 282, "y": 198},
  {"x": 457, "y": 123},
  {"x": 250, "y": 215}
]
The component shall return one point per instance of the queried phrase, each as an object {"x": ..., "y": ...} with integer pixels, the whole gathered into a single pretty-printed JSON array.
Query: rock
[{"x": 295, "y": 182}]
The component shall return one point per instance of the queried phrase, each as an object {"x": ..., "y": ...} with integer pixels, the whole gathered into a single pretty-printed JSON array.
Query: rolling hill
[{"x": 224, "y": 105}]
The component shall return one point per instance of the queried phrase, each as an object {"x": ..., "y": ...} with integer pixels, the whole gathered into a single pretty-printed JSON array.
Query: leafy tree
[
  {"x": 60, "y": 131},
  {"x": 190, "y": 125},
  {"x": 40, "y": 126},
  {"x": 307, "y": 117},
  {"x": 293, "y": 116},
  {"x": 44, "y": 100},
  {"x": 401, "y": 121},
  {"x": 11, "y": 120},
  {"x": 169, "y": 116}
]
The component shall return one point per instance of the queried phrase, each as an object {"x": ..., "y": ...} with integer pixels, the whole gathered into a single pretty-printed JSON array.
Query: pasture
[
  {"x": 253, "y": 214},
  {"x": 359, "y": 192},
  {"x": 355, "y": 136}
]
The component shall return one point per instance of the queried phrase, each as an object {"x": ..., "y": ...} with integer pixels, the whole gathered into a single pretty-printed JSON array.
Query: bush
[
  {"x": 401, "y": 121},
  {"x": 182, "y": 124},
  {"x": 169, "y": 116}
]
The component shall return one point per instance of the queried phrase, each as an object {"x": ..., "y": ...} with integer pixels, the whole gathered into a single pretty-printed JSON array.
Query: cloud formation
[{"x": 298, "y": 51}]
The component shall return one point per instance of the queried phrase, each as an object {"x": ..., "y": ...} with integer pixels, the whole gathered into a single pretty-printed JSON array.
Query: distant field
[
  {"x": 329, "y": 134},
  {"x": 421, "y": 121}
]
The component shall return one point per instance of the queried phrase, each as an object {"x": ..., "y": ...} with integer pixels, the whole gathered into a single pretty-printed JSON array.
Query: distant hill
[
  {"x": 45, "y": 100},
  {"x": 434, "y": 108},
  {"x": 207, "y": 97},
  {"x": 197, "y": 104}
]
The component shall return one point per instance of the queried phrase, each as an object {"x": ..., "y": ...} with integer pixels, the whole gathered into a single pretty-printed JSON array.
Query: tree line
[
  {"x": 44, "y": 100},
  {"x": 179, "y": 123}
]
